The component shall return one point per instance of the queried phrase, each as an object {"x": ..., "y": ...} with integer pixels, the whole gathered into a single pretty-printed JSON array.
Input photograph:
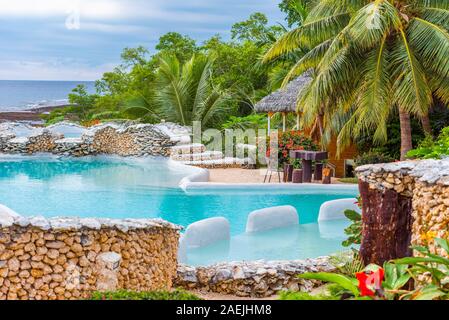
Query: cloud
[
  {"x": 37, "y": 44},
  {"x": 52, "y": 70},
  {"x": 50, "y": 8}
]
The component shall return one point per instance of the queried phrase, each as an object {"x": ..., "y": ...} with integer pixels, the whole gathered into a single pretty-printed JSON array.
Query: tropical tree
[
  {"x": 370, "y": 59},
  {"x": 185, "y": 93}
]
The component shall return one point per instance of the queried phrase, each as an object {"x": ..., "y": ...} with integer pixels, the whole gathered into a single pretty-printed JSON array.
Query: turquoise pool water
[{"x": 146, "y": 188}]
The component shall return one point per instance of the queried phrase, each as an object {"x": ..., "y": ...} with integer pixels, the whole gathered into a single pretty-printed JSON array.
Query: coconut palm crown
[{"x": 370, "y": 59}]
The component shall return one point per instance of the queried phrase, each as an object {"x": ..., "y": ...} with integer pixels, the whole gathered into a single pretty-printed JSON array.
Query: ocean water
[
  {"x": 148, "y": 188},
  {"x": 16, "y": 95}
]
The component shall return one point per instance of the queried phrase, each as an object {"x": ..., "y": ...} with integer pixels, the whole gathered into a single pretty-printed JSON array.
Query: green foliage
[
  {"x": 296, "y": 10},
  {"x": 289, "y": 295},
  {"x": 255, "y": 30},
  {"x": 253, "y": 121},
  {"x": 372, "y": 157},
  {"x": 145, "y": 295},
  {"x": 181, "y": 46},
  {"x": 344, "y": 282},
  {"x": 428, "y": 270},
  {"x": 362, "y": 75},
  {"x": 186, "y": 94},
  {"x": 354, "y": 231},
  {"x": 435, "y": 266},
  {"x": 349, "y": 180},
  {"x": 293, "y": 140},
  {"x": 347, "y": 263},
  {"x": 431, "y": 149}
]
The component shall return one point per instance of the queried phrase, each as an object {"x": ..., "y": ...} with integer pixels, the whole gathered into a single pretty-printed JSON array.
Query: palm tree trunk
[
  {"x": 425, "y": 121},
  {"x": 406, "y": 133}
]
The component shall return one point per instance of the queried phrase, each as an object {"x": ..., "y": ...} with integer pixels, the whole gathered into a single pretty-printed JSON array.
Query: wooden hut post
[
  {"x": 284, "y": 122},
  {"x": 297, "y": 121},
  {"x": 269, "y": 123}
]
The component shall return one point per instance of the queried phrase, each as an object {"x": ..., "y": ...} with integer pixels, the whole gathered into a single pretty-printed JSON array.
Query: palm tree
[
  {"x": 185, "y": 93},
  {"x": 371, "y": 59}
]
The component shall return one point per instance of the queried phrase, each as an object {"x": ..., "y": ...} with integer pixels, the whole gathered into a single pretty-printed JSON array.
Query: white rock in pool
[
  {"x": 335, "y": 209},
  {"x": 206, "y": 232},
  {"x": 272, "y": 218},
  {"x": 7, "y": 216}
]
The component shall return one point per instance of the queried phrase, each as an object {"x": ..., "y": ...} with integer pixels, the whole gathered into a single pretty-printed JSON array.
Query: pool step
[
  {"x": 207, "y": 155},
  {"x": 188, "y": 149}
]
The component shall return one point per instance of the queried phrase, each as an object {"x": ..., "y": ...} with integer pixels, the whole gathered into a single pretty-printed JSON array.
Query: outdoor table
[{"x": 307, "y": 158}]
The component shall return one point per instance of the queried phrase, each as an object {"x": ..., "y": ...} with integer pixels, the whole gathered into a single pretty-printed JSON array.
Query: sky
[{"x": 82, "y": 39}]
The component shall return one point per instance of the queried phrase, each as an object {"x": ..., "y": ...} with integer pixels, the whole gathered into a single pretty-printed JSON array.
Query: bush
[
  {"x": 372, "y": 157},
  {"x": 430, "y": 149},
  {"x": 144, "y": 295},
  {"x": 253, "y": 121},
  {"x": 292, "y": 140},
  {"x": 349, "y": 180}
]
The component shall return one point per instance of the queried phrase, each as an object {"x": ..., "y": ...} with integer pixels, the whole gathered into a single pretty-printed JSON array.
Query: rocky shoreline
[{"x": 32, "y": 115}]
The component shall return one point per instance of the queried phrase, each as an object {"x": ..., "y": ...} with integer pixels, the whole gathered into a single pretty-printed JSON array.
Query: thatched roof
[{"x": 283, "y": 100}]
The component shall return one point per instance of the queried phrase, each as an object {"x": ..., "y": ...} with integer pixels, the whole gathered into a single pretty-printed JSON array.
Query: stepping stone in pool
[
  {"x": 272, "y": 218},
  {"x": 335, "y": 209},
  {"x": 206, "y": 232}
]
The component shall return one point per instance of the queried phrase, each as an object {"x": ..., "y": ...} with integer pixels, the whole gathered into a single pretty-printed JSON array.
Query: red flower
[
  {"x": 370, "y": 282},
  {"x": 268, "y": 153}
]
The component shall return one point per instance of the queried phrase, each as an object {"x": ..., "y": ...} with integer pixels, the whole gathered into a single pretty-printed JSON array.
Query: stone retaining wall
[
  {"x": 425, "y": 183},
  {"x": 68, "y": 258},
  {"x": 110, "y": 138},
  {"x": 252, "y": 279}
]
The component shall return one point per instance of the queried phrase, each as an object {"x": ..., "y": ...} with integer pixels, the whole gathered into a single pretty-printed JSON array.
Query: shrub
[
  {"x": 144, "y": 295},
  {"x": 292, "y": 140},
  {"x": 354, "y": 231},
  {"x": 372, "y": 157},
  {"x": 430, "y": 149},
  {"x": 349, "y": 180},
  {"x": 253, "y": 121},
  {"x": 393, "y": 281}
]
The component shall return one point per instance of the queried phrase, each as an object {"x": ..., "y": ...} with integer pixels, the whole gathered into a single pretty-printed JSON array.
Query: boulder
[
  {"x": 272, "y": 218},
  {"x": 335, "y": 209}
]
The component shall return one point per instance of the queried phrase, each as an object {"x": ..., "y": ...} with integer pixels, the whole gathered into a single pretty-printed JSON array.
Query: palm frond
[
  {"x": 431, "y": 44},
  {"x": 411, "y": 90}
]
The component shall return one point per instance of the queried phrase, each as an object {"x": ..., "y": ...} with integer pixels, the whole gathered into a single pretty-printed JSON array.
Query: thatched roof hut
[{"x": 284, "y": 99}]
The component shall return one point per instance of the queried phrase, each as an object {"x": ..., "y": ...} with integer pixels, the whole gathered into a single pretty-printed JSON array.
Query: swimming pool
[{"x": 115, "y": 187}]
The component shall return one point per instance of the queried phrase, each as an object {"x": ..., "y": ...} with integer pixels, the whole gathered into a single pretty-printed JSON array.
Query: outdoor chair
[{"x": 272, "y": 167}]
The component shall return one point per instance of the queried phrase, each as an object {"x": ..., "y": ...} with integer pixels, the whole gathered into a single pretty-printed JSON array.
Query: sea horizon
[{"x": 23, "y": 95}]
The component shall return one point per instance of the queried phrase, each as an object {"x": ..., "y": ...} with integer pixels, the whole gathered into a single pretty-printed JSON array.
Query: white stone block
[
  {"x": 335, "y": 209},
  {"x": 272, "y": 218},
  {"x": 7, "y": 216},
  {"x": 206, "y": 232}
]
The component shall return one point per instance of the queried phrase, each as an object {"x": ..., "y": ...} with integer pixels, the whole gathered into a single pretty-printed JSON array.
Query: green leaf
[
  {"x": 429, "y": 293},
  {"x": 353, "y": 215},
  {"x": 396, "y": 276},
  {"x": 415, "y": 260},
  {"x": 344, "y": 282},
  {"x": 443, "y": 243}
]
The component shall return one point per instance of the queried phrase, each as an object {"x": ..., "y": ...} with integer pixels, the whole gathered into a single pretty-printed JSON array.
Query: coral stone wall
[
  {"x": 252, "y": 279},
  {"x": 70, "y": 258},
  {"x": 426, "y": 183},
  {"x": 110, "y": 138},
  {"x": 45, "y": 142},
  {"x": 109, "y": 141}
]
